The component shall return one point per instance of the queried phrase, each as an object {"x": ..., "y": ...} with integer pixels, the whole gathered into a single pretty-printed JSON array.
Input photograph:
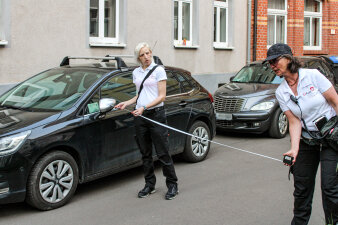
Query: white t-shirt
[
  {"x": 150, "y": 88},
  {"x": 310, "y": 87}
]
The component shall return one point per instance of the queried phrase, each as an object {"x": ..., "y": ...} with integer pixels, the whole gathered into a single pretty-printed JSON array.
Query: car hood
[
  {"x": 18, "y": 120},
  {"x": 246, "y": 89}
]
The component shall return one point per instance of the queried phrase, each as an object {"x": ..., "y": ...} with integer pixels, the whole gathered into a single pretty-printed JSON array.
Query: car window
[
  {"x": 173, "y": 86},
  {"x": 186, "y": 86},
  {"x": 335, "y": 69},
  {"x": 327, "y": 69},
  {"x": 120, "y": 87},
  {"x": 257, "y": 73},
  {"x": 320, "y": 67},
  {"x": 52, "y": 90}
]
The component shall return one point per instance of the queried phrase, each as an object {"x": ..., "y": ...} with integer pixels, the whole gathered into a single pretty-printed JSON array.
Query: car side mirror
[{"x": 106, "y": 104}]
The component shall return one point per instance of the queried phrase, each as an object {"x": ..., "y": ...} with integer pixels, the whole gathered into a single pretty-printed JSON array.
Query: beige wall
[{"x": 41, "y": 33}]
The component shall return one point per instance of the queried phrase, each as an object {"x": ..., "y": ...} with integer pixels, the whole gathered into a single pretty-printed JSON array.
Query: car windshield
[
  {"x": 257, "y": 73},
  {"x": 52, "y": 90}
]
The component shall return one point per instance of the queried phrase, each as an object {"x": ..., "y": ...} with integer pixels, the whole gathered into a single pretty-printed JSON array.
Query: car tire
[
  {"x": 52, "y": 181},
  {"x": 196, "y": 150},
  {"x": 279, "y": 125}
]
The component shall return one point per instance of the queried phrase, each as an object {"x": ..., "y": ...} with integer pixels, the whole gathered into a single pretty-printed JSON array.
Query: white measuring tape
[{"x": 199, "y": 138}]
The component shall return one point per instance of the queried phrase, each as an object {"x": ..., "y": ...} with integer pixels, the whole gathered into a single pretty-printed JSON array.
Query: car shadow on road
[
  {"x": 241, "y": 135},
  {"x": 85, "y": 190}
]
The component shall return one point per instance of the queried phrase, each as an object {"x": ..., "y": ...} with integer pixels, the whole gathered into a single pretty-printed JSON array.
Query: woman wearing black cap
[{"x": 306, "y": 96}]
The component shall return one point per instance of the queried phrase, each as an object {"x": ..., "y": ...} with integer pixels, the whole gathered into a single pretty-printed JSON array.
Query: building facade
[
  {"x": 310, "y": 27},
  {"x": 202, "y": 36}
]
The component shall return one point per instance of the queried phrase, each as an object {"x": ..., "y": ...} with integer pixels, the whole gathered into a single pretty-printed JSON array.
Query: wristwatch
[{"x": 145, "y": 108}]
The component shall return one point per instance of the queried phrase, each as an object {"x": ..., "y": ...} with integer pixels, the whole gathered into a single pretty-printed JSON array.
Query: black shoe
[
  {"x": 146, "y": 191},
  {"x": 172, "y": 192}
]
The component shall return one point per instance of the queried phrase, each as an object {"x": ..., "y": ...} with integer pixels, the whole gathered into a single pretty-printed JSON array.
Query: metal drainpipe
[
  {"x": 255, "y": 32},
  {"x": 248, "y": 60}
]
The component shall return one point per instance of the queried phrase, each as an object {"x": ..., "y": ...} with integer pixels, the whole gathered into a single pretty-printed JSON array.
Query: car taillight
[{"x": 211, "y": 98}]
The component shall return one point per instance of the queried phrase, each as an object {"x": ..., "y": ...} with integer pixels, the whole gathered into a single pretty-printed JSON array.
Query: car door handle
[{"x": 183, "y": 104}]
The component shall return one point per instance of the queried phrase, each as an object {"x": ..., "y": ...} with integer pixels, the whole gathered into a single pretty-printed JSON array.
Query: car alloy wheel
[
  {"x": 52, "y": 181},
  {"x": 197, "y": 148},
  {"x": 56, "y": 181},
  {"x": 282, "y": 123},
  {"x": 279, "y": 124},
  {"x": 200, "y": 145}
]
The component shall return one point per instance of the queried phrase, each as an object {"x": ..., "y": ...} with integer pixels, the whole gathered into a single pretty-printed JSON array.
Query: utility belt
[
  {"x": 328, "y": 134},
  {"x": 307, "y": 139},
  {"x": 153, "y": 110}
]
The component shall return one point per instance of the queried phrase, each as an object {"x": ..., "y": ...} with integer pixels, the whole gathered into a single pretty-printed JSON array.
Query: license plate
[{"x": 223, "y": 116}]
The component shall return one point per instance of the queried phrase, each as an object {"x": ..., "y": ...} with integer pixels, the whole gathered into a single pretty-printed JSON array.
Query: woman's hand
[
  {"x": 121, "y": 105},
  {"x": 292, "y": 153},
  {"x": 138, "y": 112},
  {"x": 295, "y": 130}
]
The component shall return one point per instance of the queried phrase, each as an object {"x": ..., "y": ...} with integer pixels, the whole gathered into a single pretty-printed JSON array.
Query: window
[
  {"x": 173, "y": 87},
  {"x": 121, "y": 88},
  {"x": 3, "y": 18},
  {"x": 52, "y": 90},
  {"x": 183, "y": 23},
  {"x": 277, "y": 18},
  {"x": 1, "y": 38},
  {"x": 184, "y": 83},
  {"x": 104, "y": 23},
  {"x": 312, "y": 24},
  {"x": 221, "y": 19}
]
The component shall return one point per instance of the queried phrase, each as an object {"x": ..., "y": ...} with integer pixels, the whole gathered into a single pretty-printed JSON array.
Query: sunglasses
[{"x": 275, "y": 61}]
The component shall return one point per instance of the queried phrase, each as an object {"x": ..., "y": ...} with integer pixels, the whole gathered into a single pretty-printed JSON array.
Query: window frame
[
  {"x": 3, "y": 40},
  {"x": 179, "y": 42},
  {"x": 221, "y": 5},
  {"x": 100, "y": 40},
  {"x": 314, "y": 15},
  {"x": 275, "y": 13}
]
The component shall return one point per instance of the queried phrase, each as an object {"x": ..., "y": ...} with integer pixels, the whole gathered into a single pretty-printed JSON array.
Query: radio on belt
[{"x": 288, "y": 160}]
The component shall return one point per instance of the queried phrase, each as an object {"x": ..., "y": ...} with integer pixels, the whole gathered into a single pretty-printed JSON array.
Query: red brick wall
[{"x": 295, "y": 28}]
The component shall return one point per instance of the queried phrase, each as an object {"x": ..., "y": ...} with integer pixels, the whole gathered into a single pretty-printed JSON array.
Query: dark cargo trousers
[
  {"x": 148, "y": 133},
  {"x": 304, "y": 173}
]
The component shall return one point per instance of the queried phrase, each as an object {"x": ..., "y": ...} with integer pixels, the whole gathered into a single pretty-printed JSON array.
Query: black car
[
  {"x": 59, "y": 128},
  {"x": 248, "y": 103},
  {"x": 332, "y": 60}
]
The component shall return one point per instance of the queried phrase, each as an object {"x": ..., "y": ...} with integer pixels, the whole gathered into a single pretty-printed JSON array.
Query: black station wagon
[{"x": 59, "y": 128}]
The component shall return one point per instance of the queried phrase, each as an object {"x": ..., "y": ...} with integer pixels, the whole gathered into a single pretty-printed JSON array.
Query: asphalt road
[{"x": 228, "y": 188}]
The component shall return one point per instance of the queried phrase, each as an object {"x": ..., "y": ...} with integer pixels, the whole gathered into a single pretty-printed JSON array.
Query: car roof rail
[
  {"x": 157, "y": 60},
  {"x": 120, "y": 63}
]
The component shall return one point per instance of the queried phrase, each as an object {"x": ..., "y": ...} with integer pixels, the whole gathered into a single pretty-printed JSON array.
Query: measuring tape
[{"x": 199, "y": 138}]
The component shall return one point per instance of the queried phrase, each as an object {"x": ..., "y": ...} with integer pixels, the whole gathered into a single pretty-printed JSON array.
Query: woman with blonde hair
[{"x": 149, "y": 102}]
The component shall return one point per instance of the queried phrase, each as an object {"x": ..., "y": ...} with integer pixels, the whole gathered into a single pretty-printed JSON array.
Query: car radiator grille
[{"x": 229, "y": 105}]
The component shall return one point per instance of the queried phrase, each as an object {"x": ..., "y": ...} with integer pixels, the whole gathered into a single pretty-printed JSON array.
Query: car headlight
[
  {"x": 262, "y": 106},
  {"x": 11, "y": 143}
]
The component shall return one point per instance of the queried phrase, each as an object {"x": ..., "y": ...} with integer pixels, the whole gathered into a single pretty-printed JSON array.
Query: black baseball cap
[{"x": 277, "y": 50}]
